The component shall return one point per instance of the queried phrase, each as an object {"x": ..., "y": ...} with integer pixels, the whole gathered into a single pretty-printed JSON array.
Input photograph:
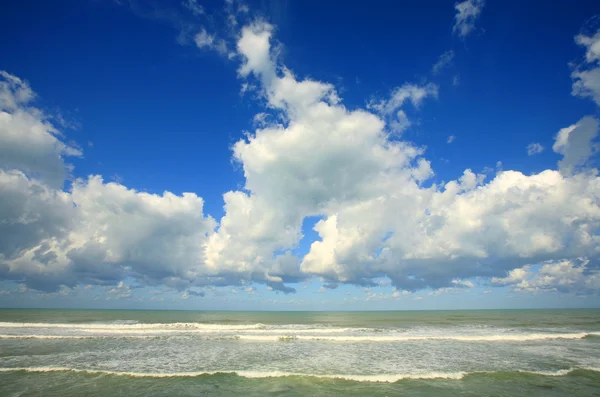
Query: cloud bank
[{"x": 378, "y": 213}]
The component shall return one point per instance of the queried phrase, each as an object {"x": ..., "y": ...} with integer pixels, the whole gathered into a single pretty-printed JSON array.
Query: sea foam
[
  {"x": 272, "y": 333},
  {"x": 387, "y": 378},
  {"x": 322, "y": 338},
  {"x": 137, "y": 326}
]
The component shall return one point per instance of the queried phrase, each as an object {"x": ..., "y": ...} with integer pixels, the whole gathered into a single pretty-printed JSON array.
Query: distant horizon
[{"x": 300, "y": 311}]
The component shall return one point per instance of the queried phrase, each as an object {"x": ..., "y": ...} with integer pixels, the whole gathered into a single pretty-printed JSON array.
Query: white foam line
[
  {"x": 277, "y": 374},
  {"x": 401, "y": 338},
  {"x": 209, "y": 331},
  {"x": 247, "y": 374},
  {"x": 183, "y": 328},
  {"x": 560, "y": 372},
  {"x": 45, "y": 337},
  {"x": 120, "y": 326},
  {"x": 78, "y": 336}
]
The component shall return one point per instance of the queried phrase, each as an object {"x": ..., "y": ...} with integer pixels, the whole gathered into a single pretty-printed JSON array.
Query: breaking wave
[
  {"x": 388, "y": 378},
  {"x": 126, "y": 326}
]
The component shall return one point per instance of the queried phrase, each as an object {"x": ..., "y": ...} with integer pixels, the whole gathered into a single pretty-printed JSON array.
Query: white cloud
[
  {"x": 467, "y": 13},
  {"x": 28, "y": 140},
  {"x": 444, "y": 61},
  {"x": 391, "y": 108},
  {"x": 400, "y": 95},
  {"x": 568, "y": 276},
  {"x": 587, "y": 75},
  {"x": 592, "y": 45},
  {"x": 99, "y": 233},
  {"x": 254, "y": 45},
  {"x": 587, "y": 84},
  {"x": 397, "y": 294},
  {"x": 120, "y": 291},
  {"x": 95, "y": 233},
  {"x": 534, "y": 148},
  {"x": 208, "y": 41},
  {"x": 514, "y": 276},
  {"x": 203, "y": 39},
  {"x": 451, "y": 139},
  {"x": 463, "y": 283},
  {"x": 377, "y": 219},
  {"x": 576, "y": 144},
  {"x": 14, "y": 92}
]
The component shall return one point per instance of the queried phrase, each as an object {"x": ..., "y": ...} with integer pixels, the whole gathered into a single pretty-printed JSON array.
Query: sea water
[{"x": 391, "y": 353}]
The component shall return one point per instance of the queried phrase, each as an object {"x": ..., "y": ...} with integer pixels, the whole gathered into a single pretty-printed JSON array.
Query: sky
[{"x": 299, "y": 155}]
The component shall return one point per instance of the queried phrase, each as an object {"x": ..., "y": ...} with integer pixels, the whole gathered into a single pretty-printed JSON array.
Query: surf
[{"x": 384, "y": 378}]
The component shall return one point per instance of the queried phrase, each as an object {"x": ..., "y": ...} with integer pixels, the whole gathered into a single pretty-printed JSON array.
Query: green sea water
[{"x": 395, "y": 353}]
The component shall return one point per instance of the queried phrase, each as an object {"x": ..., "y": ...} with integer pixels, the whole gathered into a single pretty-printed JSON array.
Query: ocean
[{"x": 391, "y": 353}]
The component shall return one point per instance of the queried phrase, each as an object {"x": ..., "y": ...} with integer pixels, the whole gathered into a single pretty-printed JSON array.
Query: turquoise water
[{"x": 186, "y": 353}]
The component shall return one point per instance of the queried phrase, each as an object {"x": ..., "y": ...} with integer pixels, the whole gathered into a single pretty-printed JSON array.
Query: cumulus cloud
[
  {"x": 28, "y": 139},
  {"x": 568, "y": 276},
  {"x": 534, "y": 148},
  {"x": 376, "y": 216},
  {"x": 120, "y": 291},
  {"x": 96, "y": 232},
  {"x": 450, "y": 139},
  {"x": 576, "y": 144},
  {"x": 254, "y": 45},
  {"x": 467, "y": 13},
  {"x": 99, "y": 233}
]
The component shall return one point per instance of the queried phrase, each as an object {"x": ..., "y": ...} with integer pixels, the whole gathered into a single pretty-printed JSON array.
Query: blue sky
[{"x": 400, "y": 155}]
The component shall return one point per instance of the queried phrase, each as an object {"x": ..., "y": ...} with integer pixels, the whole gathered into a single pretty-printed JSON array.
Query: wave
[
  {"x": 132, "y": 326},
  {"x": 325, "y": 338},
  {"x": 46, "y": 337},
  {"x": 406, "y": 338},
  {"x": 201, "y": 328},
  {"x": 217, "y": 331},
  {"x": 136, "y": 326},
  {"x": 2, "y": 336},
  {"x": 386, "y": 378}
]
